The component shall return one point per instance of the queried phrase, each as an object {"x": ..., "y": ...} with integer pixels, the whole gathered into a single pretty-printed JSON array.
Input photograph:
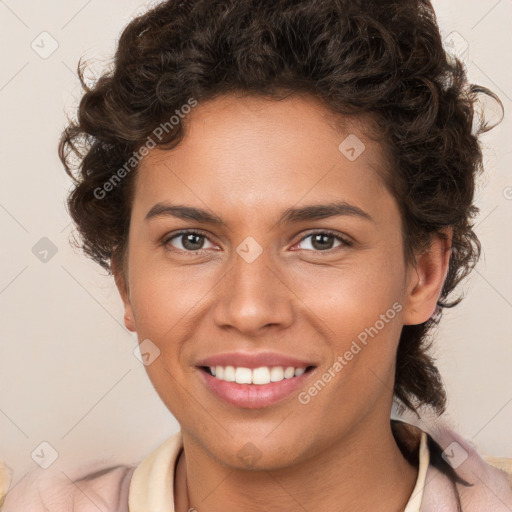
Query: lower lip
[{"x": 253, "y": 396}]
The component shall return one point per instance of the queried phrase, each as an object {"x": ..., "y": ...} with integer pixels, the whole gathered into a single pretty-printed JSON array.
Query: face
[{"x": 255, "y": 285}]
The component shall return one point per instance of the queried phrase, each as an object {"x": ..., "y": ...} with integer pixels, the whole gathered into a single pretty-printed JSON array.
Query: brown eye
[
  {"x": 323, "y": 241},
  {"x": 188, "y": 241}
]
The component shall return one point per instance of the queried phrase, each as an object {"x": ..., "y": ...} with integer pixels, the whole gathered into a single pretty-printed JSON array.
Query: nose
[{"x": 253, "y": 296}]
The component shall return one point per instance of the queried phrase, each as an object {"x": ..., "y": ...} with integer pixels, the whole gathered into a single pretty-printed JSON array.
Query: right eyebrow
[{"x": 184, "y": 213}]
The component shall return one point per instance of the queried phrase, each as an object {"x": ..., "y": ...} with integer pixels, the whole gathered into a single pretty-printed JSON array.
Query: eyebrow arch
[
  {"x": 322, "y": 211},
  {"x": 290, "y": 216},
  {"x": 185, "y": 213}
]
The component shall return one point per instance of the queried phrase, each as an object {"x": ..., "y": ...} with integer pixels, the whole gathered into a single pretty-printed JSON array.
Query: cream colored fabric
[
  {"x": 501, "y": 463},
  {"x": 414, "y": 502},
  {"x": 152, "y": 482}
]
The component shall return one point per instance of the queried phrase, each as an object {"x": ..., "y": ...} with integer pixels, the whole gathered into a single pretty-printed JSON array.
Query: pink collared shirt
[{"x": 149, "y": 486}]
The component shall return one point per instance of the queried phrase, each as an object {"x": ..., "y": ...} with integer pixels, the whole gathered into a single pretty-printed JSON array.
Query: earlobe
[
  {"x": 123, "y": 289},
  {"x": 426, "y": 280}
]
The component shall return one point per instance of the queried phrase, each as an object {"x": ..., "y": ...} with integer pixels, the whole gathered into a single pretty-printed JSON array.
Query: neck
[{"x": 361, "y": 472}]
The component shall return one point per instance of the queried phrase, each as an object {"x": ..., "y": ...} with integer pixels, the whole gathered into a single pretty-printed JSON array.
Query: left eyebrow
[
  {"x": 289, "y": 216},
  {"x": 323, "y": 211}
]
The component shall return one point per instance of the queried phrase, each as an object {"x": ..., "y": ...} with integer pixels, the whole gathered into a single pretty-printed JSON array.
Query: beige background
[{"x": 68, "y": 376}]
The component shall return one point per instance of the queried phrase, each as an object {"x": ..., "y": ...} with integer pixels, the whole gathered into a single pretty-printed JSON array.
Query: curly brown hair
[{"x": 378, "y": 57}]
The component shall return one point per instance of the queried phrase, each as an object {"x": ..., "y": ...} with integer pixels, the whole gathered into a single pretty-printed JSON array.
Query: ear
[
  {"x": 426, "y": 278},
  {"x": 122, "y": 286}
]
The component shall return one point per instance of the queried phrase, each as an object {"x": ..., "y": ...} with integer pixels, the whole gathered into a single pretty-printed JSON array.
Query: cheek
[
  {"x": 165, "y": 299},
  {"x": 360, "y": 308},
  {"x": 352, "y": 296}
]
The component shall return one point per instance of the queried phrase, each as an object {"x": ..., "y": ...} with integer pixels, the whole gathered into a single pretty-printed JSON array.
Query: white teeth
[
  {"x": 261, "y": 375},
  {"x": 243, "y": 375},
  {"x": 258, "y": 376},
  {"x": 229, "y": 373},
  {"x": 289, "y": 372},
  {"x": 276, "y": 374}
]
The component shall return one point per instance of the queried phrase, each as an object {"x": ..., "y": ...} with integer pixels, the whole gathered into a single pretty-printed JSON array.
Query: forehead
[{"x": 242, "y": 151}]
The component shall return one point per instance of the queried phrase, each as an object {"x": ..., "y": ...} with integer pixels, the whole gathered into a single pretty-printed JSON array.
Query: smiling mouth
[{"x": 255, "y": 376}]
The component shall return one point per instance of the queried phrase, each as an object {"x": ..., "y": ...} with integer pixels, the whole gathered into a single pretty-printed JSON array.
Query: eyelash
[{"x": 345, "y": 242}]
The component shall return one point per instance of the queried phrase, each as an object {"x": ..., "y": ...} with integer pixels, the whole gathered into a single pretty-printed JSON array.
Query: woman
[{"x": 283, "y": 192}]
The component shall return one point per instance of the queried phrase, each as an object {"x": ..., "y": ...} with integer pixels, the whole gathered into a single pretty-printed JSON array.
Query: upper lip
[{"x": 253, "y": 360}]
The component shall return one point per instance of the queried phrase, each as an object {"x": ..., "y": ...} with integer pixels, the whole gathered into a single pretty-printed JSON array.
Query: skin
[{"x": 247, "y": 159}]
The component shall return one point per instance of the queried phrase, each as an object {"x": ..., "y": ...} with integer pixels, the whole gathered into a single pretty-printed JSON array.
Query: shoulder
[
  {"x": 458, "y": 472},
  {"x": 488, "y": 486},
  {"x": 105, "y": 489}
]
